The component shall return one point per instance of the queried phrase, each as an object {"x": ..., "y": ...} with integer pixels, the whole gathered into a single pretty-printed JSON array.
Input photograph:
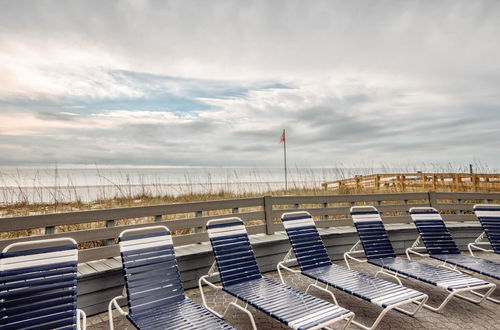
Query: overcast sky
[{"x": 213, "y": 83}]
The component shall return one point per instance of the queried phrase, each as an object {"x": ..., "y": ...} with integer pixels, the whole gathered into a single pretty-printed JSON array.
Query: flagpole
[{"x": 284, "y": 159}]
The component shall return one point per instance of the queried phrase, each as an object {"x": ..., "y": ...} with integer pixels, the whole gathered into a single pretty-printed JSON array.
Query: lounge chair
[
  {"x": 153, "y": 286},
  {"x": 241, "y": 278},
  {"x": 440, "y": 245},
  {"x": 379, "y": 252},
  {"x": 489, "y": 217},
  {"x": 38, "y": 285},
  {"x": 310, "y": 253}
]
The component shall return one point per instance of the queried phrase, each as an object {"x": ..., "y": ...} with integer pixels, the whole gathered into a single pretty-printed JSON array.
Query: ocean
[
  {"x": 66, "y": 183},
  {"x": 89, "y": 183}
]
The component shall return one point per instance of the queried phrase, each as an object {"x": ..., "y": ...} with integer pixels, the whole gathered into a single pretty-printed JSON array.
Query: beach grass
[{"x": 307, "y": 184}]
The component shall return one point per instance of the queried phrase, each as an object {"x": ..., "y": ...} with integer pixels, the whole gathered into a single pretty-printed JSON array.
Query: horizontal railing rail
[
  {"x": 431, "y": 181},
  {"x": 97, "y": 230}
]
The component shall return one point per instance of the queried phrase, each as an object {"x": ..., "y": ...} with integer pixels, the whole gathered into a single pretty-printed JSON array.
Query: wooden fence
[
  {"x": 420, "y": 181},
  {"x": 261, "y": 215}
]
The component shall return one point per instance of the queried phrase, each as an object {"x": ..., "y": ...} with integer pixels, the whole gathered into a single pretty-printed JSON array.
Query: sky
[{"x": 213, "y": 83}]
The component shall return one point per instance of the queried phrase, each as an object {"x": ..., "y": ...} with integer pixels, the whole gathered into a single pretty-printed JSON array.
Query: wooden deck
[{"x": 420, "y": 181}]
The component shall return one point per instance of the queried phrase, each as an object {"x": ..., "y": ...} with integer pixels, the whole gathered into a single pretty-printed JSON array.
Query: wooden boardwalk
[{"x": 420, "y": 181}]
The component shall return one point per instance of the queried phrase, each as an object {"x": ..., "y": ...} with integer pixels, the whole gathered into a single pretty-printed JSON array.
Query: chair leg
[
  {"x": 375, "y": 323},
  {"x": 390, "y": 274},
  {"x": 244, "y": 310},
  {"x": 420, "y": 304},
  {"x": 81, "y": 319},
  {"x": 420, "y": 301},
  {"x": 314, "y": 285},
  {"x": 348, "y": 317},
  {"x": 458, "y": 295},
  {"x": 496, "y": 301},
  {"x": 202, "y": 281},
  {"x": 450, "y": 267},
  {"x": 281, "y": 266},
  {"x": 114, "y": 303},
  {"x": 441, "y": 306},
  {"x": 484, "y": 297}
]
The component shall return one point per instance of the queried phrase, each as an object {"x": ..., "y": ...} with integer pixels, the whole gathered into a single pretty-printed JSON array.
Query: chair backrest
[
  {"x": 233, "y": 252},
  {"x": 433, "y": 231},
  {"x": 489, "y": 216},
  {"x": 372, "y": 233},
  {"x": 152, "y": 278},
  {"x": 38, "y": 281},
  {"x": 306, "y": 242}
]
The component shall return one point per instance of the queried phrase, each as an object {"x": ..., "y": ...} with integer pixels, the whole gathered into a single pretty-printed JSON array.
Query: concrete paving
[{"x": 458, "y": 314}]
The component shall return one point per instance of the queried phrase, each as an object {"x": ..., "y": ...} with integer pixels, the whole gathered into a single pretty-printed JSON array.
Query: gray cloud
[{"x": 191, "y": 83}]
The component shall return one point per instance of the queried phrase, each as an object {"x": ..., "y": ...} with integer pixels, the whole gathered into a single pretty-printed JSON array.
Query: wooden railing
[
  {"x": 261, "y": 215},
  {"x": 420, "y": 181}
]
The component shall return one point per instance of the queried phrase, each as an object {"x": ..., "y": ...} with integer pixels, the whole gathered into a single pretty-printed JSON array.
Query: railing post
[
  {"x": 198, "y": 214},
  {"x": 110, "y": 224},
  {"x": 268, "y": 214},
  {"x": 235, "y": 210},
  {"x": 325, "y": 217},
  {"x": 50, "y": 230},
  {"x": 377, "y": 204},
  {"x": 158, "y": 218},
  {"x": 433, "y": 200},
  {"x": 459, "y": 201}
]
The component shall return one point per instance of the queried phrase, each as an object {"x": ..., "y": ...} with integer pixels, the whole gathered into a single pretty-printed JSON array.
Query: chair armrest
[
  {"x": 414, "y": 250},
  {"x": 114, "y": 303},
  {"x": 81, "y": 319}
]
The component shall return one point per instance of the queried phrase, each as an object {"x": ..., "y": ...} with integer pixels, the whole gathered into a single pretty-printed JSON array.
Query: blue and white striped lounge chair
[
  {"x": 379, "y": 252},
  {"x": 440, "y": 245},
  {"x": 153, "y": 286},
  {"x": 38, "y": 281},
  {"x": 489, "y": 217},
  {"x": 241, "y": 278},
  {"x": 311, "y": 255}
]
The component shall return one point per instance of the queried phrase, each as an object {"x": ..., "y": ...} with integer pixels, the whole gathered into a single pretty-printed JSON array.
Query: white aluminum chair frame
[
  {"x": 81, "y": 317},
  {"x": 114, "y": 301},
  {"x": 419, "y": 301},
  {"x": 457, "y": 292},
  {"x": 213, "y": 272},
  {"x": 417, "y": 246},
  {"x": 396, "y": 276},
  {"x": 480, "y": 241}
]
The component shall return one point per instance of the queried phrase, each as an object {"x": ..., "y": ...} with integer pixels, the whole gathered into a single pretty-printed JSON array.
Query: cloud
[
  {"x": 190, "y": 83},
  {"x": 323, "y": 128}
]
